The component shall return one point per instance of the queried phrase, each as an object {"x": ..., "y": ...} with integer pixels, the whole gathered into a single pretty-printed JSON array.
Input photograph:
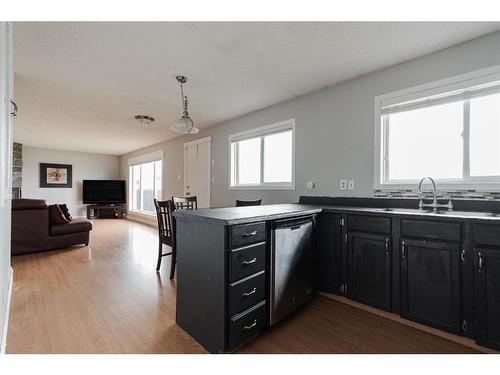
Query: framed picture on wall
[{"x": 56, "y": 175}]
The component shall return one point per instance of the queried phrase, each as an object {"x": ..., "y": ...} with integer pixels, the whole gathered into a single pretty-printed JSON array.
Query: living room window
[
  {"x": 145, "y": 185},
  {"x": 263, "y": 158},
  {"x": 449, "y": 131}
]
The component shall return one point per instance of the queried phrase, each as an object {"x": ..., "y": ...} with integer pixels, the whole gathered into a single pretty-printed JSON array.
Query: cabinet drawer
[
  {"x": 245, "y": 234},
  {"x": 487, "y": 234},
  {"x": 247, "y": 325},
  {"x": 369, "y": 224},
  {"x": 431, "y": 229},
  {"x": 246, "y": 293},
  {"x": 247, "y": 260}
]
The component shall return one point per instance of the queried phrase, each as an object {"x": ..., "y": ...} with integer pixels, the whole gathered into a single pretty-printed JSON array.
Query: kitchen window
[
  {"x": 263, "y": 158},
  {"x": 145, "y": 186},
  {"x": 449, "y": 132}
]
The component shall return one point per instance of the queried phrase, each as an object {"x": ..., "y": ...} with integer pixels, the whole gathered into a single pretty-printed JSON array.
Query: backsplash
[{"x": 455, "y": 194}]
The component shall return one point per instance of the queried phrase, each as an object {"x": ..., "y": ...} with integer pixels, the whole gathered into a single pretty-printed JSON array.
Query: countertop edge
[{"x": 313, "y": 209}]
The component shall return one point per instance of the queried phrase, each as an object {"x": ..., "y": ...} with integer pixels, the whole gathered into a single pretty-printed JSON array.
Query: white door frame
[{"x": 209, "y": 164}]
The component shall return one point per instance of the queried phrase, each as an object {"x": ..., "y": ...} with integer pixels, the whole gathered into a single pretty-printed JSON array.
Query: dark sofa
[{"x": 32, "y": 231}]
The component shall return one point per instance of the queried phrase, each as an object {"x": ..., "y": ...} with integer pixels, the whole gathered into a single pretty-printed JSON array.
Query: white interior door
[{"x": 197, "y": 171}]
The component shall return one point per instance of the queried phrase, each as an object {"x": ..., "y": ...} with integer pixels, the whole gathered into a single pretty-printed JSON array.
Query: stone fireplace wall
[{"x": 17, "y": 170}]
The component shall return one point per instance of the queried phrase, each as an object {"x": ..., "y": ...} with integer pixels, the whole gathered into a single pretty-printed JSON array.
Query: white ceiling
[{"x": 79, "y": 85}]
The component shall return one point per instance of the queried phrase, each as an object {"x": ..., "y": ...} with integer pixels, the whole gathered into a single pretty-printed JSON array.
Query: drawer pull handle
[
  {"x": 246, "y": 328},
  {"x": 250, "y": 234},
  {"x": 246, "y": 262},
  {"x": 246, "y": 294}
]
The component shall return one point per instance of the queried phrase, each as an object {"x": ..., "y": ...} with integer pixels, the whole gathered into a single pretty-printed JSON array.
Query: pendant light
[{"x": 185, "y": 123}]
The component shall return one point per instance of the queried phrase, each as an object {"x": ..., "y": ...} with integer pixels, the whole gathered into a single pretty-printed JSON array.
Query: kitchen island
[{"x": 369, "y": 250}]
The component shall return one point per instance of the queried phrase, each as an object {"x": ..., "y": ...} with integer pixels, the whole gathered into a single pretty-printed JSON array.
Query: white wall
[
  {"x": 334, "y": 127},
  {"x": 86, "y": 166}
]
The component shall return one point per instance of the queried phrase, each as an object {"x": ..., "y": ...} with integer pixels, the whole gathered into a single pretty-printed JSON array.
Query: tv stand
[{"x": 105, "y": 211}]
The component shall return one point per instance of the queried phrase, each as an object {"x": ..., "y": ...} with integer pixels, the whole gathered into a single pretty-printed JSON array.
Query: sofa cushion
[
  {"x": 65, "y": 212},
  {"x": 56, "y": 216},
  {"x": 78, "y": 224},
  {"x": 28, "y": 204}
]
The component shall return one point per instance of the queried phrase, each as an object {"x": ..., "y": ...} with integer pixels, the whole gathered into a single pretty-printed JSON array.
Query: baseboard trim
[
  {"x": 437, "y": 332},
  {"x": 3, "y": 347},
  {"x": 143, "y": 219}
]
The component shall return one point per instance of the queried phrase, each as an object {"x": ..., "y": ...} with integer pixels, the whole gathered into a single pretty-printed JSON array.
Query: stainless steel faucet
[{"x": 435, "y": 205}]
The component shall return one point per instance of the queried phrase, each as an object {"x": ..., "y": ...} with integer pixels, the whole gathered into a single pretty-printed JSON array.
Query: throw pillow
[
  {"x": 56, "y": 216},
  {"x": 65, "y": 211}
]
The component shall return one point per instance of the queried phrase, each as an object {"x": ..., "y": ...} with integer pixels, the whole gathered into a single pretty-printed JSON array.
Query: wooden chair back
[
  {"x": 164, "y": 216},
  {"x": 242, "y": 203},
  {"x": 185, "y": 203}
]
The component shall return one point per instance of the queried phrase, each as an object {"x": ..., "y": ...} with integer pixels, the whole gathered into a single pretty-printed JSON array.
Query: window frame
[
  {"x": 462, "y": 87},
  {"x": 131, "y": 182},
  {"x": 260, "y": 132}
]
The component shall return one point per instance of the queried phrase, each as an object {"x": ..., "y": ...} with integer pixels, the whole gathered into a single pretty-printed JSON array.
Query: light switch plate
[
  {"x": 350, "y": 185},
  {"x": 343, "y": 184}
]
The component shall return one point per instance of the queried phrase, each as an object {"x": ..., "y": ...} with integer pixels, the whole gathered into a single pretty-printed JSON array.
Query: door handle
[
  {"x": 387, "y": 246},
  {"x": 246, "y": 294},
  {"x": 403, "y": 251},
  {"x": 246, "y": 262},
  {"x": 245, "y": 328},
  {"x": 15, "y": 110}
]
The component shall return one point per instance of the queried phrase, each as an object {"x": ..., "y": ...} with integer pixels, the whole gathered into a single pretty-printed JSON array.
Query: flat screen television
[{"x": 103, "y": 191}]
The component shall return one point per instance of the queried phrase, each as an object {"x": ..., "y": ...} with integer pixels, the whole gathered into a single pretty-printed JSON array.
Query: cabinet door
[
  {"x": 430, "y": 283},
  {"x": 329, "y": 257},
  {"x": 488, "y": 297},
  {"x": 369, "y": 269}
]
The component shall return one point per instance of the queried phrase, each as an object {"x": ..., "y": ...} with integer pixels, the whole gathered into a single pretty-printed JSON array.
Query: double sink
[{"x": 438, "y": 212}]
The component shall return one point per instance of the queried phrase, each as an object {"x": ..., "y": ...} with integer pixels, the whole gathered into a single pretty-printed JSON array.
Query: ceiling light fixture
[
  {"x": 145, "y": 120},
  {"x": 185, "y": 123}
]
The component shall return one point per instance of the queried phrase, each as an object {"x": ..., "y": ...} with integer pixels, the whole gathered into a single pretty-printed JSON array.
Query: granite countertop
[{"x": 240, "y": 215}]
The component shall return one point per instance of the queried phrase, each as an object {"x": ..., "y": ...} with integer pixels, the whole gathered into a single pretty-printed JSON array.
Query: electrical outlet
[
  {"x": 350, "y": 185},
  {"x": 310, "y": 185},
  {"x": 343, "y": 184}
]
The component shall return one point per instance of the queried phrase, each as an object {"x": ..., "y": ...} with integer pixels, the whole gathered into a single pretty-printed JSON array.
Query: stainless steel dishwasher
[{"x": 291, "y": 266}]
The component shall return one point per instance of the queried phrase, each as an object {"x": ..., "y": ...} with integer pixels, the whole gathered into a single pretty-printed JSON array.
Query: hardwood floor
[
  {"x": 328, "y": 326},
  {"x": 107, "y": 298}
]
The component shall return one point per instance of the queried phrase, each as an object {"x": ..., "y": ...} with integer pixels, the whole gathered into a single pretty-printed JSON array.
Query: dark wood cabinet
[
  {"x": 443, "y": 272},
  {"x": 369, "y": 269},
  {"x": 329, "y": 259},
  {"x": 221, "y": 282},
  {"x": 487, "y": 265},
  {"x": 430, "y": 283}
]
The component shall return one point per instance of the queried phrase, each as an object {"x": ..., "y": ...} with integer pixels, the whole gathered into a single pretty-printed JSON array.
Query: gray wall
[
  {"x": 334, "y": 127},
  {"x": 86, "y": 166}
]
